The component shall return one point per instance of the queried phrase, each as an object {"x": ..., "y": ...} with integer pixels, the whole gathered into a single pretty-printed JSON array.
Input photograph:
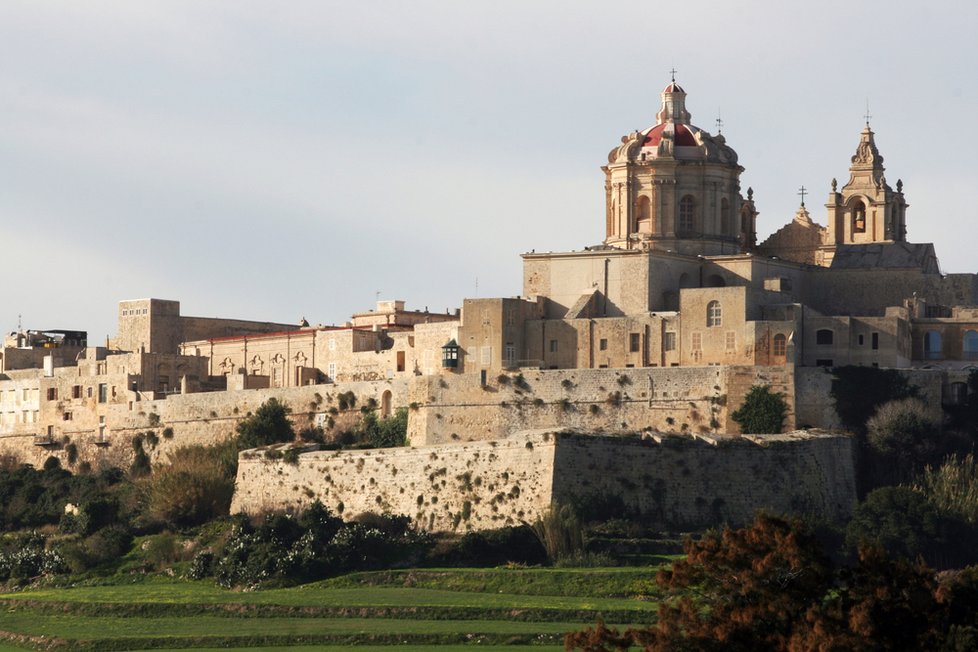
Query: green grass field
[{"x": 412, "y": 609}]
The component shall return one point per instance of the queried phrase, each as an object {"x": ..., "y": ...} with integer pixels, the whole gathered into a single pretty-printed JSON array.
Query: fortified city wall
[
  {"x": 674, "y": 399},
  {"x": 677, "y": 482}
]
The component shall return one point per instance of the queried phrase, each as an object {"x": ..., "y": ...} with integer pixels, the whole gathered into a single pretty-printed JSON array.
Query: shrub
[
  {"x": 904, "y": 438},
  {"x": 195, "y": 487},
  {"x": 268, "y": 425},
  {"x": 762, "y": 412},
  {"x": 858, "y": 391},
  {"x": 559, "y": 532},
  {"x": 72, "y": 452},
  {"x": 953, "y": 487},
  {"x": 52, "y": 463},
  {"x": 167, "y": 433},
  {"x": 314, "y": 544}
]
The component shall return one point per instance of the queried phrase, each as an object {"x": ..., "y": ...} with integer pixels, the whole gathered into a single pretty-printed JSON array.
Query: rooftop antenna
[
  {"x": 802, "y": 192},
  {"x": 719, "y": 122}
]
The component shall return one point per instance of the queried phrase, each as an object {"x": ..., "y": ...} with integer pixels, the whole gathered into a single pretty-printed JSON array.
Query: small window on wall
[
  {"x": 52, "y": 393},
  {"x": 932, "y": 345},
  {"x": 603, "y": 344},
  {"x": 970, "y": 345},
  {"x": 823, "y": 363},
  {"x": 730, "y": 341},
  {"x": 780, "y": 348},
  {"x": 669, "y": 341},
  {"x": 634, "y": 342},
  {"x": 553, "y": 346},
  {"x": 874, "y": 341},
  {"x": 824, "y": 337},
  {"x": 76, "y": 391},
  {"x": 696, "y": 341}
]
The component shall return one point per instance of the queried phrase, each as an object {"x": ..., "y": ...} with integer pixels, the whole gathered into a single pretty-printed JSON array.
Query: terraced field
[{"x": 412, "y": 609}]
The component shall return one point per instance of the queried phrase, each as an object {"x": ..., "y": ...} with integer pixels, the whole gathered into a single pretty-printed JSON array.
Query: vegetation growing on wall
[{"x": 762, "y": 412}]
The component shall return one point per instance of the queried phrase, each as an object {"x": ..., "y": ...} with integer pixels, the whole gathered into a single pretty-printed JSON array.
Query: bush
[
  {"x": 903, "y": 439},
  {"x": 953, "y": 487},
  {"x": 268, "y": 425},
  {"x": 288, "y": 549},
  {"x": 491, "y": 548},
  {"x": 859, "y": 391},
  {"x": 560, "y": 532},
  {"x": 195, "y": 487},
  {"x": 762, "y": 412}
]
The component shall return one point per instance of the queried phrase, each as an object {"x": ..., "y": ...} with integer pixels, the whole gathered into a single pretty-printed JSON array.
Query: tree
[
  {"x": 762, "y": 412},
  {"x": 268, "y": 425},
  {"x": 903, "y": 438},
  {"x": 858, "y": 391}
]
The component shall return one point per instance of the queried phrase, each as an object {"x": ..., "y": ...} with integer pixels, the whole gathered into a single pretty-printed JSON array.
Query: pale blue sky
[{"x": 276, "y": 160}]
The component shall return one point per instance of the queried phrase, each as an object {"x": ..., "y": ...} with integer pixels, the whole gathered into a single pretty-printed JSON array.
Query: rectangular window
[
  {"x": 331, "y": 371},
  {"x": 553, "y": 346},
  {"x": 603, "y": 344},
  {"x": 76, "y": 391},
  {"x": 52, "y": 393},
  {"x": 860, "y": 338},
  {"x": 66, "y": 416},
  {"x": 103, "y": 392},
  {"x": 332, "y": 345},
  {"x": 875, "y": 341},
  {"x": 669, "y": 341},
  {"x": 89, "y": 392},
  {"x": 486, "y": 356},
  {"x": 823, "y": 363},
  {"x": 696, "y": 341},
  {"x": 510, "y": 351},
  {"x": 730, "y": 340},
  {"x": 634, "y": 342}
]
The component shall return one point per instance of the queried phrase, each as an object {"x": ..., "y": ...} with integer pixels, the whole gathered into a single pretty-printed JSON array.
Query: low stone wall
[{"x": 672, "y": 482}]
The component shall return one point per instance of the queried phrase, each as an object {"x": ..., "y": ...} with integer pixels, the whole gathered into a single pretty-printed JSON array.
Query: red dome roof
[
  {"x": 682, "y": 135},
  {"x": 673, "y": 87}
]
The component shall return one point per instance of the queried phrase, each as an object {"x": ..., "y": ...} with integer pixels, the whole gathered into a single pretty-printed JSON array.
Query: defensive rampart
[{"x": 672, "y": 482}]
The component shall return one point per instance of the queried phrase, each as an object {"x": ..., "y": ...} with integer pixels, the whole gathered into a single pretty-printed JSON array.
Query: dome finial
[
  {"x": 802, "y": 192},
  {"x": 673, "y": 73},
  {"x": 868, "y": 114}
]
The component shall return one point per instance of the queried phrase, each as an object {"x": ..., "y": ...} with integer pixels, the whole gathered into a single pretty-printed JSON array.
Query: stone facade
[{"x": 674, "y": 482}]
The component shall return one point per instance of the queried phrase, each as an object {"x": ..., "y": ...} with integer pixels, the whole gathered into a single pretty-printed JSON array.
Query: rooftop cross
[
  {"x": 719, "y": 122},
  {"x": 802, "y": 192},
  {"x": 868, "y": 114},
  {"x": 673, "y": 73}
]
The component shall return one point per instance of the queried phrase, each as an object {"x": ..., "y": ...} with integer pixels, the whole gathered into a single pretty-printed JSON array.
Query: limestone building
[{"x": 679, "y": 285}]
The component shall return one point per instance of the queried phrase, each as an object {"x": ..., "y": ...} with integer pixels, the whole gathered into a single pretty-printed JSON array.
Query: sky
[{"x": 279, "y": 160}]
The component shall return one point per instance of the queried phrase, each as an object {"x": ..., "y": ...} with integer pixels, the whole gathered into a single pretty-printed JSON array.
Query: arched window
[
  {"x": 932, "y": 345},
  {"x": 780, "y": 345},
  {"x": 724, "y": 217},
  {"x": 824, "y": 336},
  {"x": 859, "y": 217},
  {"x": 643, "y": 215},
  {"x": 970, "y": 345},
  {"x": 687, "y": 215},
  {"x": 714, "y": 314}
]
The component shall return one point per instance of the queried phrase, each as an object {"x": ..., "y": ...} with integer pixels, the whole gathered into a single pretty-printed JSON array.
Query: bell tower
[{"x": 867, "y": 209}]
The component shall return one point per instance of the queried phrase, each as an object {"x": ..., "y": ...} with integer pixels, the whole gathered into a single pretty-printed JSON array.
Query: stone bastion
[{"x": 674, "y": 482}]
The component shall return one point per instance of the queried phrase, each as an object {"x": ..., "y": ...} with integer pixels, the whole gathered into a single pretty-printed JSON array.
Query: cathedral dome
[
  {"x": 673, "y": 87},
  {"x": 682, "y": 135}
]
